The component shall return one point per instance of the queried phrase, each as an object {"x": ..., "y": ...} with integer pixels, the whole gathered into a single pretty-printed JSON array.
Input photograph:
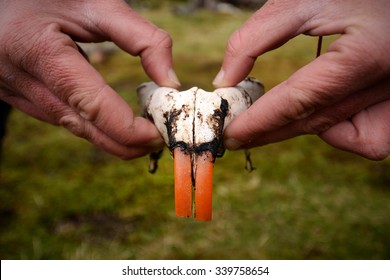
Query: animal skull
[{"x": 192, "y": 123}]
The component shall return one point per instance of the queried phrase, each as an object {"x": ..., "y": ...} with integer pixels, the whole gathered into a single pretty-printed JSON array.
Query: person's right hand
[
  {"x": 343, "y": 96},
  {"x": 43, "y": 73}
]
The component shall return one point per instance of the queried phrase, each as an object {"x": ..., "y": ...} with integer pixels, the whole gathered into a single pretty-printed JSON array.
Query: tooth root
[
  {"x": 182, "y": 182},
  {"x": 248, "y": 161},
  {"x": 153, "y": 161}
]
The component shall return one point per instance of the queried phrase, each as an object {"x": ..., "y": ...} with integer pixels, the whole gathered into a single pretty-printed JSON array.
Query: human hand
[
  {"x": 43, "y": 73},
  {"x": 343, "y": 96}
]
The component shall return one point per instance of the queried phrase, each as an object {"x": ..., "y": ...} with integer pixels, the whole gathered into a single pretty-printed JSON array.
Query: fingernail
[
  {"x": 218, "y": 81},
  {"x": 172, "y": 76},
  {"x": 232, "y": 144}
]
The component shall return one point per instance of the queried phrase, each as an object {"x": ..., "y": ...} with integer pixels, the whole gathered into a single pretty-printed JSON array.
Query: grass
[{"x": 61, "y": 198}]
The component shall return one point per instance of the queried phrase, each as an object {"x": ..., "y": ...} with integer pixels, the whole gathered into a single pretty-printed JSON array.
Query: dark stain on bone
[
  {"x": 217, "y": 121},
  {"x": 248, "y": 99},
  {"x": 214, "y": 146},
  {"x": 171, "y": 119},
  {"x": 182, "y": 145},
  {"x": 169, "y": 96},
  {"x": 149, "y": 117},
  {"x": 219, "y": 116},
  {"x": 199, "y": 116},
  {"x": 186, "y": 109}
]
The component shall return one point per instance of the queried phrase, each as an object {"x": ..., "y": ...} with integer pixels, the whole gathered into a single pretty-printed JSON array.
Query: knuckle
[
  {"x": 152, "y": 41},
  {"x": 162, "y": 38},
  {"x": 316, "y": 126},
  {"x": 12, "y": 41},
  {"x": 234, "y": 44},
  {"x": 128, "y": 138},
  {"x": 74, "y": 124},
  {"x": 87, "y": 103},
  {"x": 7, "y": 78},
  {"x": 81, "y": 128},
  {"x": 242, "y": 44},
  {"x": 33, "y": 50},
  {"x": 154, "y": 46},
  {"x": 299, "y": 104}
]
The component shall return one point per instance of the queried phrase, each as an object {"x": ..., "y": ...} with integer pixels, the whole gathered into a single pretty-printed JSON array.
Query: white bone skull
[
  {"x": 195, "y": 119},
  {"x": 192, "y": 123}
]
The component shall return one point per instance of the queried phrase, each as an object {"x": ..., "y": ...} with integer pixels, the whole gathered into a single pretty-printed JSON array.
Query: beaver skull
[{"x": 192, "y": 123}]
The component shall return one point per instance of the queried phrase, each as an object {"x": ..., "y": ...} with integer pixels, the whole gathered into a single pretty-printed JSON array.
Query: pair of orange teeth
[
  {"x": 192, "y": 124},
  {"x": 183, "y": 169}
]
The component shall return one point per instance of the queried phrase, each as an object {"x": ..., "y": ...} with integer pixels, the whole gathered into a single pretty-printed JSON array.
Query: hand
[
  {"x": 343, "y": 96},
  {"x": 43, "y": 73}
]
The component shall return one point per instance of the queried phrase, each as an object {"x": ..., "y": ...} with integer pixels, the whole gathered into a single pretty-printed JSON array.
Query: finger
[
  {"x": 84, "y": 129},
  {"x": 366, "y": 134},
  {"x": 328, "y": 116},
  {"x": 310, "y": 89},
  {"x": 279, "y": 21},
  {"x": 66, "y": 73},
  {"x": 38, "y": 101},
  {"x": 268, "y": 28},
  {"x": 137, "y": 36}
]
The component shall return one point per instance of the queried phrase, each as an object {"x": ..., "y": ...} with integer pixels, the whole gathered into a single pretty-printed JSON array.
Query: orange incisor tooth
[
  {"x": 204, "y": 186},
  {"x": 183, "y": 182}
]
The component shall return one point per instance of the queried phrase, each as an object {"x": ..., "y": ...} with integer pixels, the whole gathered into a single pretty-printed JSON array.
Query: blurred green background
[{"x": 62, "y": 198}]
